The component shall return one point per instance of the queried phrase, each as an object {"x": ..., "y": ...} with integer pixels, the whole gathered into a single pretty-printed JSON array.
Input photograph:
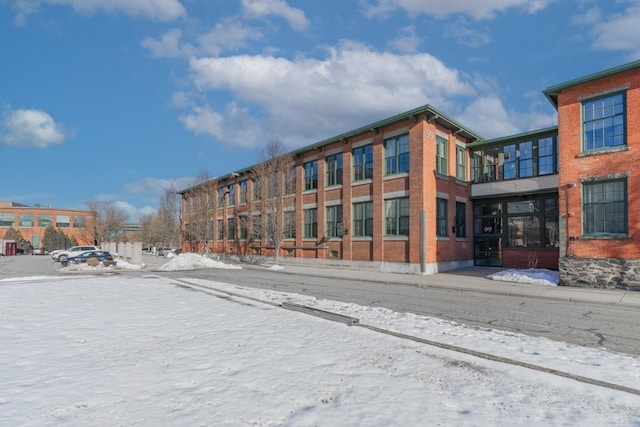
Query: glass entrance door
[{"x": 488, "y": 251}]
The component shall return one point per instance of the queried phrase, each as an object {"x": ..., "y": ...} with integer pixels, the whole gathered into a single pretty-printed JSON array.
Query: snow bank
[
  {"x": 189, "y": 261},
  {"x": 533, "y": 276}
]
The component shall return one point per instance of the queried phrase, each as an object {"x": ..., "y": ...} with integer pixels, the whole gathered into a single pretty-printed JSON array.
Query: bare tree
[
  {"x": 165, "y": 228},
  {"x": 109, "y": 220},
  {"x": 274, "y": 175},
  {"x": 199, "y": 201}
]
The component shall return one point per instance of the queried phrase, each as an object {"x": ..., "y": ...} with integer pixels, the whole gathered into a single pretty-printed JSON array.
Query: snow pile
[
  {"x": 533, "y": 276},
  {"x": 276, "y": 267},
  {"x": 190, "y": 261}
]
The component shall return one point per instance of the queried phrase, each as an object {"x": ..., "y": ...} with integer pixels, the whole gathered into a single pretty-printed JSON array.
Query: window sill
[
  {"x": 394, "y": 237},
  {"x": 361, "y": 238},
  {"x": 606, "y": 237},
  {"x": 603, "y": 151},
  {"x": 395, "y": 175},
  {"x": 362, "y": 182}
]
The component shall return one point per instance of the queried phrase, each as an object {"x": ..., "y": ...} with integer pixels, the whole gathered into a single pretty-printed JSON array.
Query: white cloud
[
  {"x": 31, "y": 128},
  {"x": 353, "y": 84},
  {"x": 477, "y": 9},
  {"x": 169, "y": 45},
  {"x": 263, "y": 8},
  {"x": 616, "y": 32},
  {"x": 158, "y": 10},
  {"x": 408, "y": 41}
]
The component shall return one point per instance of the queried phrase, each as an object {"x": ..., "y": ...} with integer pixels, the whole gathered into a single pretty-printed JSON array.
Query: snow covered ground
[{"x": 146, "y": 350}]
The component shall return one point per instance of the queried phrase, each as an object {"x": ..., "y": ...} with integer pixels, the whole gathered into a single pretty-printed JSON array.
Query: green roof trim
[
  {"x": 552, "y": 130},
  {"x": 552, "y": 92}
]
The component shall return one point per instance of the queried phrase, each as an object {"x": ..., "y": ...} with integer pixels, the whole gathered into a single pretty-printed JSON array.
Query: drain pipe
[{"x": 423, "y": 255}]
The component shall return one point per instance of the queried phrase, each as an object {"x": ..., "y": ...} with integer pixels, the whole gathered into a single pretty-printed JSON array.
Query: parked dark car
[{"x": 102, "y": 257}]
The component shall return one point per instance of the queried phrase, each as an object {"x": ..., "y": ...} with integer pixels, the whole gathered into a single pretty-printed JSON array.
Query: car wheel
[{"x": 62, "y": 258}]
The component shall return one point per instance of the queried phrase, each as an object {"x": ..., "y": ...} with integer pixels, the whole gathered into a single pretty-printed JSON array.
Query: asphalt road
[{"x": 610, "y": 326}]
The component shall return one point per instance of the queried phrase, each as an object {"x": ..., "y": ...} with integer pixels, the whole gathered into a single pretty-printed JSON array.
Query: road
[{"x": 610, "y": 326}]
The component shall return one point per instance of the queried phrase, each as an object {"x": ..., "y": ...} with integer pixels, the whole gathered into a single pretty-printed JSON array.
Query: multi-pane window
[
  {"x": 363, "y": 163},
  {"x": 442, "y": 223},
  {"x": 604, "y": 207},
  {"x": 546, "y": 156},
  {"x": 221, "y": 197},
  {"x": 7, "y": 219},
  {"x": 231, "y": 228},
  {"x": 461, "y": 163},
  {"x": 310, "y": 223},
  {"x": 363, "y": 219},
  {"x": 209, "y": 235},
  {"x": 334, "y": 169},
  {"x": 311, "y": 175},
  {"x": 242, "y": 228},
  {"x": 26, "y": 220},
  {"x": 79, "y": 221},
  {"x": 242, "y": 194},
  {"x": 442, "y": 155},
  {"x": 289, "y": 224},
  {"x": 396, "y": 154},
  {"x": 396, "y": 217},
  {"x": 256, "y": 227},
  {"x": 211, "y": 197},
  {"x": 461, "y": 219},
  {"x": 232, "y": 194},
  {"x": 45, "y": 220},
  {"x": 334, "y": 221},
  {"x": 510, "y": 161},
  {"x": 62, "y": 221},
  {"x": 257, "y": 189},
  {"x": 220, "y": 229},
  {"x": 604, "y": 122},
  {"x": 293, "y": 175},
  {"x": 525, "y": 159}
]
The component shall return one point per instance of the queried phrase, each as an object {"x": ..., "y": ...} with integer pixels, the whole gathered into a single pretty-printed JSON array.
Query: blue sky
[{"x": 117, "y": 99}]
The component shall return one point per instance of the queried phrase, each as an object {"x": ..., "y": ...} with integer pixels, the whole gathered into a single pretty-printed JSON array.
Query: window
[
  {"x": 232, "y": 194},
  {"x": 461, "y": 163},
  {"x": 396, "y": 217},
  {"x": 363, "y": 219},
  {"x": 293, "y": 175},
  {"x": 334, "y": 169},
  {"x": 256, "y": 227},
  {"x": 211, "y": 197},
  {"x": 525, "y": 159},
  {"x": 79, "y": 221},
  {"x": 311, "y": 175},
  {"x": 26, "y": 220},
  {"x": 257, "y": 189},
  {"x": 289, "y": 225},
  {"x": 461, "y": 219},
  {"x": 605, "y": 207},
  {"x": 242, "y": 230},
  {"x": 604, "y": 122},
  {"x": 363, "y": 163},
  {"x": 243, "y": 192},
  {"x": 220, "y": 229},
  {"x": 7, "y": 219},
  {"x": 396, "y": 154},
  {"x": 62, "y": 221},
  {"x": 441, "y": 217},
  {"x": 231, "y": 228},
  {"x": 221, "y": 197},
  {"x": 441, "y": 155},
  {"x": 546, "y": 156},
  {"x": 45, "y": 220},
  {"x": 310, "y": 223},
  {"x": 509, "y": 163},
  {"x": 334, "y": 221},
  {"x": 209, "y": 235}
]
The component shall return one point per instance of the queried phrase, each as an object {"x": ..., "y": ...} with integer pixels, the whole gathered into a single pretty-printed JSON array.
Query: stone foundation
[{"x": 602, "y": 273}]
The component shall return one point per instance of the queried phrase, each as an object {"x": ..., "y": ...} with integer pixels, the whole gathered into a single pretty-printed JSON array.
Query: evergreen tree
[{"x": 13, "y": 234}]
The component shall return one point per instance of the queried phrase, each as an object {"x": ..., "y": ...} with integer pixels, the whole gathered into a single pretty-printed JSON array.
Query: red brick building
[
  {"x": 32, "y": 222},
  {"x": 599, "y": 155}
]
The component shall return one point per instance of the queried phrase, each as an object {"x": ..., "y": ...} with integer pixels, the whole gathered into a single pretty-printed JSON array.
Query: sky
[
  {"x": 118, "y": 100},
  {"x": 148, "y": 350}
]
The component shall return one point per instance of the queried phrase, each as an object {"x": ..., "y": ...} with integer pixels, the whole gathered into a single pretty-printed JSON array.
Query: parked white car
[{"x": 63, "y": 254}]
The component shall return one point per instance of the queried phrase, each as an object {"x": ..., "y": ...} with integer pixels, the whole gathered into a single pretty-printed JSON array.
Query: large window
[
  {"x": 442, "y": 150},
  {"x": 605, "y": 207},
  {"x": 334, "y": 221},
  {"x": 231, "y": 228},
  {"x": 525, "y": 159},
  {"x": 220, "y": 229},
  {"x": 242, "y": 228},
  {"x": 396, "y": 217},
  {"x": 243, "y": 192},
  {"x": 604, "y": 122},
  {"x": 510, "y": 161},
  {"x": 363, "y": 163},
  {"x": 461, "y": 219},
  {"x": 547, "y": 156},
  {"x": 232, "y": 194},
  {"x": 257, "y": 189},
  {"x": 442, "y": 222},
  {"x": 396, "y": 154},
  {"x": 7, "y": 220},
  {"x": 334, "y": 169},
  {"x": 62, "y": 221},
  {"x": 26, "y": 220},
  {"x": 310, "y": 223},
  {"x": 79, "y": 221},
  {"x": 311, "y": 175},
  {"x": 461, "y": 163},
  {"x": 45, "y": 220},
  {"x": 289, "y": 224},
  {"x": 363, "y": 219},
  {"x": 221, "y": 197}
]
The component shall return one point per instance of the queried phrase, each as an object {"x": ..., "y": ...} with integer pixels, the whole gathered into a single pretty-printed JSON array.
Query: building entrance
[{"x": 488, "y": 251}]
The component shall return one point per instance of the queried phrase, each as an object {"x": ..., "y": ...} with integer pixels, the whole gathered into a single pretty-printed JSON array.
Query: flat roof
[
  {"x": 552, "y": 92},
  {"x": 516, "y": 137}
]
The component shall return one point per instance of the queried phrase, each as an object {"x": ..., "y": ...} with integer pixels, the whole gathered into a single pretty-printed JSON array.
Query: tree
[
  {"x": 275, "y": 175},
  {"x": 13, "y": 234},
  {"x": 55, "y": 239},
  {"x": 109, "y": 220},
  {"x": 200, "y": 199}
]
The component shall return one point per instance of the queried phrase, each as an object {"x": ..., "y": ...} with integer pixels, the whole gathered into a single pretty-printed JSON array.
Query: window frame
[
  {"x": 442, "y": 155},
  {"x": 334, "y": 165},
  {"x": 396, "y": 155},
  {"x": 310, "y": 175},
  {"x": 605, "y": 192},
  {"x": 333, "y": 219},
  {"x": 362, "y": 163},
  {"x": 310, "y": 223},
  {"x": 396, "y": 217},
  {"x": 617, "y": 129},
  {"x": 442, "y": 217},
  {"x": 363, "y": 219}
]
